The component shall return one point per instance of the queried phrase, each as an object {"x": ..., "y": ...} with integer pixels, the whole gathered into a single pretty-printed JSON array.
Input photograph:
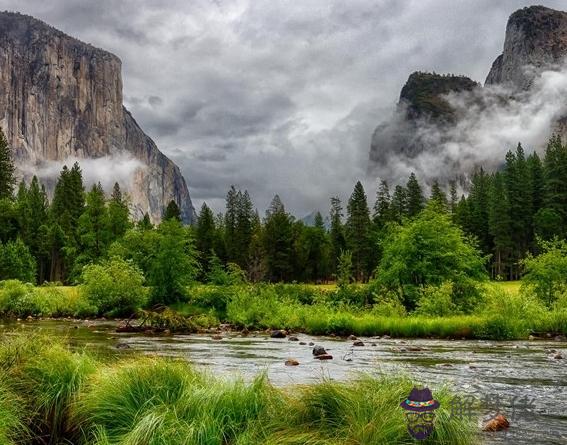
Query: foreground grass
[{"x": 70, "y": 398}]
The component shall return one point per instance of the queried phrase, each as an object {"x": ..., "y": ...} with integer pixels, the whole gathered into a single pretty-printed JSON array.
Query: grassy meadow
[{"x": 49, "y": 394}]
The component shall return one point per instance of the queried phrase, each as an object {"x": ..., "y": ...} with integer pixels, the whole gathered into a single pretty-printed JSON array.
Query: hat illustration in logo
[
  {"x": 420, "y": 400},
  {"x": 420, "y": 406}
]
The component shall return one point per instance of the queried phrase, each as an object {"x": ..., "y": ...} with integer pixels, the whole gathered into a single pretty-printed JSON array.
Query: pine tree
[
  {"x": 243, "y": 232},
  {"x": 453, "y": 198},
  {"x": 256, "y": 255},
  {"x": 415, "y": 198},
  {"x": 438, "y": 196},
  {"x": 145, "y": 223},
  {"x": 7, "y": 169},
  {"x": 499, "y": 224},
  {"x": 399, "y": 204},
  {"x": 205, "y": 237},
  {"x": 33, "y": 211},
  {"x": 278, "y": 241},
  {"x": 337, "y": 234},
  {"x": 94, "y": 235},
  {"x": 382, "y": 208},
  {"x": 358, "y": 232},
  {"x": 477, "y": 208},
  {"x": 230, "y": 222},
  {"x": 172, "y": 211},
  {"x": 118, "y": 214}
]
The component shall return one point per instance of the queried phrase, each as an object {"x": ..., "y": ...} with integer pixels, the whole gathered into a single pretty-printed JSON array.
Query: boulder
[
  {"x": 319, "y": 350},
  {"x": 302, "y": 343},
  {"x": 324, "y": 357},
  {"x": 293, "y": 338},
  {"x": 358, "y": 343},
  {"x": 291, "y": 362},
  {"x": 311, "y": 343},
  {"x": 352, "y": 337},
  {"x": 278, "y": 334},
  {"x": 498, "y": 423}
]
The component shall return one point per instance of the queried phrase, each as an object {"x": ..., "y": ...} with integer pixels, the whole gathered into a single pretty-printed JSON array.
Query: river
[{"x": 522, "y": 379}]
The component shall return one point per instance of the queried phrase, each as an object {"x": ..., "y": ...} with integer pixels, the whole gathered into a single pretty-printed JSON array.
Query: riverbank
[
  {"x": 504, "y": 314},
  {"x": 47, "y": 390}
]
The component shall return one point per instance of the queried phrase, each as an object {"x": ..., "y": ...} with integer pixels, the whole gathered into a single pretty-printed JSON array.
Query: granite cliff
[
  {"x": 440, "y": 119},
  {"x": 61, "y": 99}
]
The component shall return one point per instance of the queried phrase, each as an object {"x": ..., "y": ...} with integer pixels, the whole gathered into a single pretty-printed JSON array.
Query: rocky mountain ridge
[{"x": 62, "y": 99}]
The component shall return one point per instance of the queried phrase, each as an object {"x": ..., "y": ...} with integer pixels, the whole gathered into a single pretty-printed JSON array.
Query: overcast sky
[{"x": 277, "y": 96}]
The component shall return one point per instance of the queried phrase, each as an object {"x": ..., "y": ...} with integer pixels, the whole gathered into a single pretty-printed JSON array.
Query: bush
[
  {"x": 114, "y": 287},
  {"x": 21, "y": 300},
  {"x": 16, "y": 262},
  {"x": 546, "y": 274},
  {"x": 437, "y": 301}
]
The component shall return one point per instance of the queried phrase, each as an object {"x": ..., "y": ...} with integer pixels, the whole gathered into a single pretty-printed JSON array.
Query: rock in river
[
  {"x": 324, "y": 357},
  {"x": 319, "y": 350},
  {"x": 358, "y": 343},
  {"x": 291, "y": 362},
  {"x": 278, "y": 334},
  {"x": 498, "y": 423}
]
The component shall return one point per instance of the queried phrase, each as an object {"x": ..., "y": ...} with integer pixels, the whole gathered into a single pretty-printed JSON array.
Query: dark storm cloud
[{"x": 277, "y": 96}]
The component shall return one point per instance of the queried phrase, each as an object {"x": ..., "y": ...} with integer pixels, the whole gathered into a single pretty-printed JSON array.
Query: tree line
[{"x": 506, "y": 211}]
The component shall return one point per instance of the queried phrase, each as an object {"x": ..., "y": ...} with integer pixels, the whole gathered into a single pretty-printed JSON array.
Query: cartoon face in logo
[{"x": 420, "y": 412}]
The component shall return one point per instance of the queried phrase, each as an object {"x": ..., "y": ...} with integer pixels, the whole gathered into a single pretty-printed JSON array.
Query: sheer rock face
[
  {"x": 536, "y": 39},
  {"x": 61, "y": 98}
]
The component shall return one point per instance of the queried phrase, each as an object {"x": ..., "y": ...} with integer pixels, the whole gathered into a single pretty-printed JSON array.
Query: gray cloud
[{"x": 277, "y": 96}]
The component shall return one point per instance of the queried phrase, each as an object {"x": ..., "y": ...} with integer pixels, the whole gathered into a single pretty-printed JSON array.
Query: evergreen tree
[
  {"x": 256, "y": 254},
  {"x": 230, "y": 222},
  {"x": 337, "y": 234},
  {"x": 33, "y": 213},
  {"x": 7, "y": 170},
  {"x": 438, "y": 196},
  {"x": 399, "y": 204},
  {"x": 358, "y": 232},
  {"x": 145, "y": 223},
  {"x": 278, "y": 242},
  {"x": 243, "y": 233},
  {"x": 205, "y": 237},
  {"x": 93, "y": 230},
  {"x": 415, "y": 198},
  {"x": 499, "y": 225},
  {"x": 453, "y": 198},
  {"x": 477, "y": 217},
  {"x": 382, "y": 207},
  {"x": 172, "y": 211},
  {"x": 118, "y": 214},
  {"x": 16, "y": 262}
]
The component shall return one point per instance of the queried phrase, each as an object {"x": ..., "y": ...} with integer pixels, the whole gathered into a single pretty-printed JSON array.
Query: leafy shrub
[
  {"x": 437, "y": 301},
  {"x": 388, "y": 305},
  {"x": 16, "y": 262},
  {"x": 19, "y": 299},
  {"x": 114, "y": 287},
  {"x": 546, "y": 274}
]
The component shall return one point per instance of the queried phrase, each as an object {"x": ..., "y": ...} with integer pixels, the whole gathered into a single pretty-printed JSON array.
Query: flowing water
[{"x": 521, "y": 379}]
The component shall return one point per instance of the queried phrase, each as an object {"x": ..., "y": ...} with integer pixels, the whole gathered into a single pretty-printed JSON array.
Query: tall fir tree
[
  {"x": 278, "y": 241},
  {"x": 382, "y": 208},
  {"x": 438, "y": 196},
  {"x": 399, "y": 204},
  {"x": 172, "y": 211},
  {"x": 337, "y": 233},
  {"x": 118, "y": 214},
  {"x": 358, "y": 232},
  {"x": 205, "y": 237},
  {"x": 500, "y": 227},
  {"x": 415, "y": 198}
]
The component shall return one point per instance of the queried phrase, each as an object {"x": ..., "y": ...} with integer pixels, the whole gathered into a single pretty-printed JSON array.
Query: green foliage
[
  {"x": 172, "y": 211},
  {"x": 357, "y": 230},
  {"x": 546, "y": 274},
  {"x": 429, "y": 251},
  {"x": 278, "y": 241},
  {"x": 344, "y": 269},
  {"x": 16, "y": 262},
  {"x": 437, "y": 301},
  {"x": 115, "y": 287},
  {"x": 173, "y": 264}
]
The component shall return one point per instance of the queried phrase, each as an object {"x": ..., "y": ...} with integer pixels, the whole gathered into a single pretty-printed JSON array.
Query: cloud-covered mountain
[{"x": 444, "y": 126}]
